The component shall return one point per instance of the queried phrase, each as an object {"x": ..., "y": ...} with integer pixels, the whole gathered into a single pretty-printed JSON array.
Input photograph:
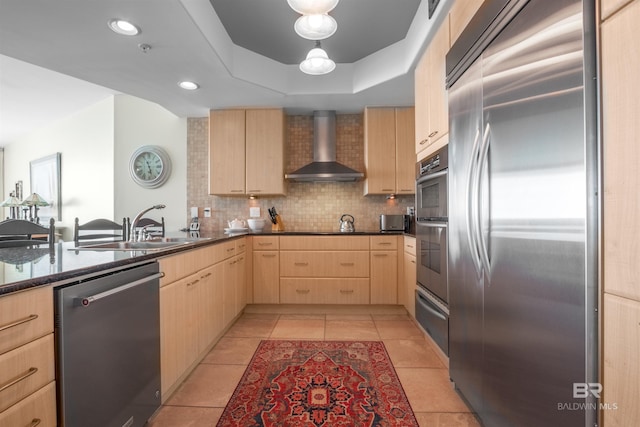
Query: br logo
[{"x": 583, "y": 390}]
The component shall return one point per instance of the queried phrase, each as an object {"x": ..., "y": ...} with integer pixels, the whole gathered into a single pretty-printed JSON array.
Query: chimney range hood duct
[{"x": 324, "y": 167}]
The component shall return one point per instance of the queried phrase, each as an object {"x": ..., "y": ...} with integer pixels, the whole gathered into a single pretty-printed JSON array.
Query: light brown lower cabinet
[
  {"x": 384, "y": 269},
  {"x": 178, "y": 334},
  {"x": 195, "y": 310},
  {"x": 621, "y": 368},
  {"x": 28, "y": 368},
  {"x": 27, "y": 360},
  {"x": 410, "y": 283},
  {"x": 384, "y": 277},
  {"x": 211, "y": 321},
  {"x": 324, "y": 264},
  {"x": 38, "y": 409},
  {"x": 266, "y": 269},
  {"x": 233, "y": 290},
  {"x": 266, "y": 277},
  {"x": 319, "y": 290}
]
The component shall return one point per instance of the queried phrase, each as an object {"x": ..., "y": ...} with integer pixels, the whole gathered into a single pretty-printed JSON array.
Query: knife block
[{"x": 279, "y": 225}]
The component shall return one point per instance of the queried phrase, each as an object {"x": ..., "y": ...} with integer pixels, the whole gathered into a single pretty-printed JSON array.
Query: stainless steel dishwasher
[{"x": 107, "y": 333}]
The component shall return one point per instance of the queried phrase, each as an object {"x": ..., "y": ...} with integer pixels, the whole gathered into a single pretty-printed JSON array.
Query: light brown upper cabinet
[
  {"x": 246, "y": 152},
  {"x": 388, "y": 150},
  {"x": 459, "y": 16},
  {"x": 431, "y": 108}
]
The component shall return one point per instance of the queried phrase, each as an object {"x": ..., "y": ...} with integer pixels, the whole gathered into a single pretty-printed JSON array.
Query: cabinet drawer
[
  {"x": 324, "y": 243},
  {"x": 241, "y": 245},
  {"x": 265, "y": 243},
  {"x": 324, "y": 291},
  {"x": 25, "y": 370},
  {"x": 410, "y": 245},
  {"x": 25, "y": 316},
  {"x": 38, "y": 409},
  {"x": 324, "y": 264},
  {"x": 176, "y": 267},
  {"x": 384, "y": 243}
]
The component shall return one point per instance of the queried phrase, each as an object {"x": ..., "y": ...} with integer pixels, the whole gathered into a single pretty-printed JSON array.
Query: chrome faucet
[{"x": 134, "y": 223}]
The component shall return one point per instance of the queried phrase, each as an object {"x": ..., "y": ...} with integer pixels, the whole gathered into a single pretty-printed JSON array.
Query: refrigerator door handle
[
  {"x": 482, "y": 165},
  {"x": 471, "y": 204}
]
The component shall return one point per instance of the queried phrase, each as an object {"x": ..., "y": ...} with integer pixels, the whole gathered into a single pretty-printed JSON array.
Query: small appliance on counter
[
  {"x": 347, "y": 223},
  {"x": 396, "y": 223}
]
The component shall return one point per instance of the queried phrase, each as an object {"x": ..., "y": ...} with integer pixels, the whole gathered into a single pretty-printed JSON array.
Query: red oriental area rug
[{"x": 319, "y": 384}]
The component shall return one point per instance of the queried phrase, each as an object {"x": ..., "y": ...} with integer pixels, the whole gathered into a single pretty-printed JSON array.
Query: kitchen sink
[{"x": 146, "y": 245}]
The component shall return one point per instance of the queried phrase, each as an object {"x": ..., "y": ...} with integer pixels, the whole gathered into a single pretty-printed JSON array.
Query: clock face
[{"x": 150, "y": 166}]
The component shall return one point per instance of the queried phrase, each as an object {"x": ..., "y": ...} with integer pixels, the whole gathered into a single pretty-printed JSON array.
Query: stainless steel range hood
[{"x": 324, "y": 166}]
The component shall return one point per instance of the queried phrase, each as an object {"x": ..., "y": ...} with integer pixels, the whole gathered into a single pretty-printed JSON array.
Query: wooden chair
[
  {"x": 99, "y": 229},
  {"x": 153, "y": 228},
  {"x": 20, "y": 232}
]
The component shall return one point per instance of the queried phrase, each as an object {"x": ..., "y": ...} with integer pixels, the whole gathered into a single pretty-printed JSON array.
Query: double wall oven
[{"x": 432, "y": 292}]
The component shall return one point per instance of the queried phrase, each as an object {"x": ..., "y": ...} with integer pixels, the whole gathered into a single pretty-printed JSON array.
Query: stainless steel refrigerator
[{"x": 523, "y": 213}]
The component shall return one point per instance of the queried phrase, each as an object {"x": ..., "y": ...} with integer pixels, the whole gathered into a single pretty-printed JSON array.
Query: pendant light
[
  {"x": 317, "y": 62},
  {"x": 315, "y": 27},
  {"x": 312, "y": 7}
]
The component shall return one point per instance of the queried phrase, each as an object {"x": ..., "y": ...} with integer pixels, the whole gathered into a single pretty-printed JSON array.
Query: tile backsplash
[{"x": 307, "y": 206}]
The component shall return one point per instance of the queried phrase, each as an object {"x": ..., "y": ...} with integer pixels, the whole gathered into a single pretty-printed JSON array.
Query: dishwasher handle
[{"x": 86, "y": 301}]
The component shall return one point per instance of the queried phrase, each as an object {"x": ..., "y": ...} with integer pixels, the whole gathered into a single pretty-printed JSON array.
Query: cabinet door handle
[
  {"x": 193, "y": 283},
  {"x": 384, "y": 243},
  {"x": 424, "y": 141},
  {"x": 231, "y": 249},
  {"x": 301, "y": 264},
  {"x": 387, "y": 189},
  {"x": 346, "y": 291},
  {"x": 406, "y": 189},
  {"x": 268, "y": 255},
  {"x": 255, "y": 191},
  {"x": 205, "y": 276},
  {"x": 237, "y": 191},
  {"x": 413, "y": 262},
  {"x": 35, "y": 422},
  {"x": 265, "y": 243},
  {"x": 347, "y": 264},
  {"x": 19, "y": 378},
  {"x": 303, "y": 291},
  {"x": 432, "y": 134},
  {"x": 18, "y": 322},
  {"x": 380, "y": 254},
  {"x": 410, "y": 246}
]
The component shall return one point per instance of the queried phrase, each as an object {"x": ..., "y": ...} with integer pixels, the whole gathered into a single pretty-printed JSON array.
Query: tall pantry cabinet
[
  {"x": 431, "y": 101},
  {"x": 620, "y": 66}
]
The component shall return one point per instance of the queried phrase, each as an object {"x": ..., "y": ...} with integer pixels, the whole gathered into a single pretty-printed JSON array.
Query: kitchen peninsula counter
[{"x": 25, "y": 268}]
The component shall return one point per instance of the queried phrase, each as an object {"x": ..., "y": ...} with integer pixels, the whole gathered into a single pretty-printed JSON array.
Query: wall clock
[{"x": 150, "y": 166}]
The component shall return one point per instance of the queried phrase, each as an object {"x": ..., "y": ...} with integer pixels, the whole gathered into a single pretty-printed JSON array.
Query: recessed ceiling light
[
  {"x": 123, "y": 27},
  {"x": 187, "y": 85}
]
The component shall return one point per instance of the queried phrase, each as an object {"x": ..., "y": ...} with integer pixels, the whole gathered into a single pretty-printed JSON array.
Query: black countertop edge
[{"x": 92, "y": 268}]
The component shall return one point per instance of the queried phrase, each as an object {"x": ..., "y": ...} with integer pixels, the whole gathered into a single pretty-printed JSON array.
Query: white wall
[
  {"x": 139, "y": 122},
  {"x": 85, "y": 141},
  {"x": 95, "y": 146}
]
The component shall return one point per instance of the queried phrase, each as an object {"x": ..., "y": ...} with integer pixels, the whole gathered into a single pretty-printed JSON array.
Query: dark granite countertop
[{"x": 25, "y": 268}]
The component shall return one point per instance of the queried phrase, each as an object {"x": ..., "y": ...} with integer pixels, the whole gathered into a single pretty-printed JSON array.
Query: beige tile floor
[{"x": 200, "y": 400}]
